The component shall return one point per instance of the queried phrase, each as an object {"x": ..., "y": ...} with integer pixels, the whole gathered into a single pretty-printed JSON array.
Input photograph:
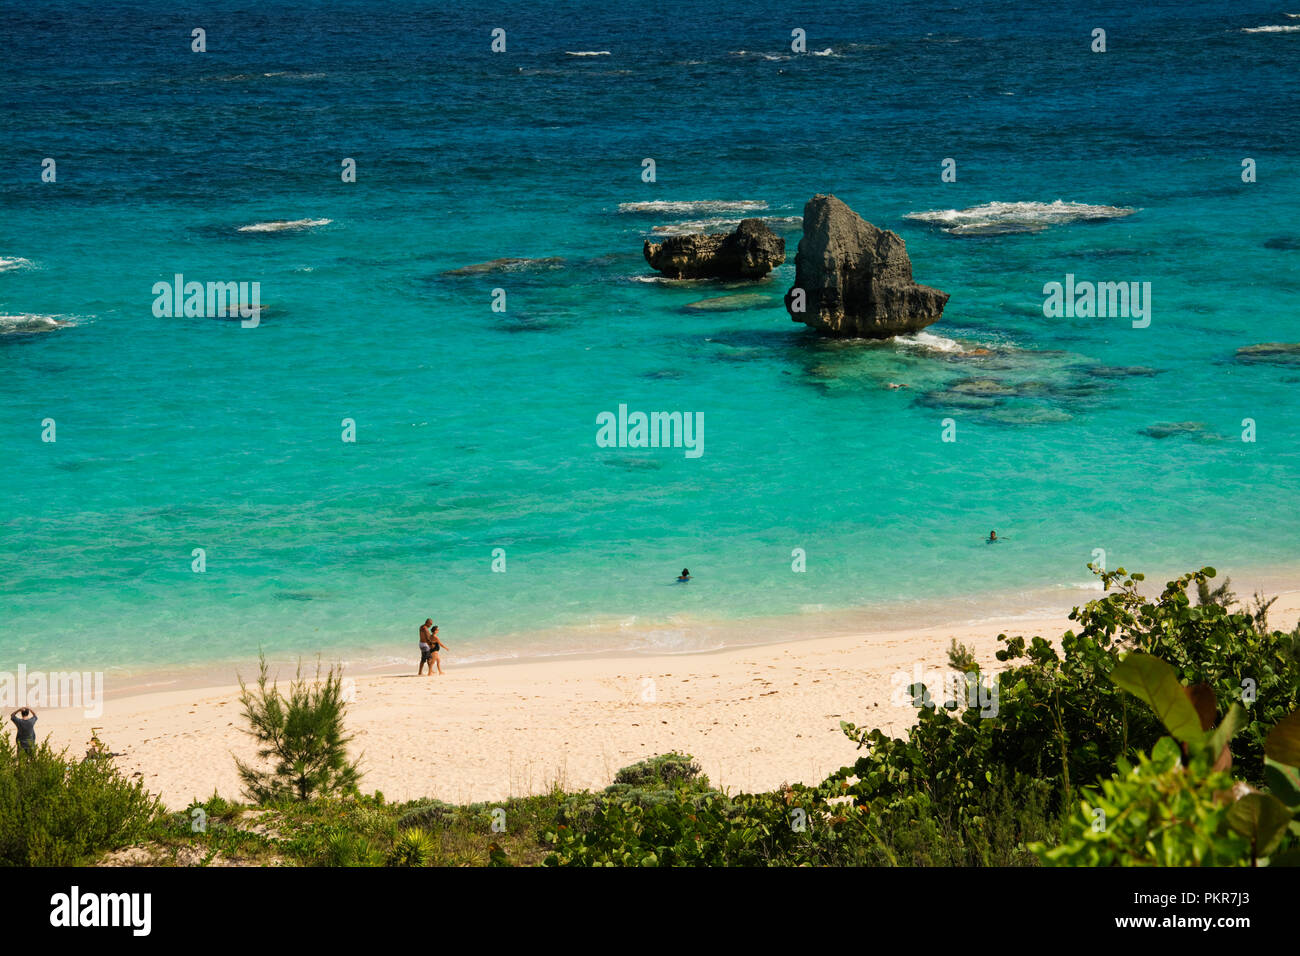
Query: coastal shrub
[
  {"x": 658, "y": 781},
  {"x": 57, "y": 811},
  {"x": 1058, "y": 717},
  {"x": 685, "y": 829},
  {"x": 302, "y": 737},
  {"x": 1180, "y": 806},
  {"x": 795, "y": 826},
  {"x": 670, "y": 770},
  {"x": 995, "y": 830},
  {"x": 961, "y": 657},
  {"x": 431, "y": 814},
  {"x": 413, "y": 847}
]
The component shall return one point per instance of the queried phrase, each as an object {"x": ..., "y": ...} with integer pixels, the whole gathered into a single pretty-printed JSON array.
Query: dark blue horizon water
[{"x": 476, "y": 430}]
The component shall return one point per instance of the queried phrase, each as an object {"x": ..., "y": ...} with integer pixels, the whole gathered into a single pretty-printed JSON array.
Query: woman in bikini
[{"x": 435, "y": 645}]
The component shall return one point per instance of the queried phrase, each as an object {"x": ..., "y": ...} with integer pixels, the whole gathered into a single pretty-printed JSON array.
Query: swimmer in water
[
  {"x": 992, "y": 538},
  {"x": 686, "y": 576}
]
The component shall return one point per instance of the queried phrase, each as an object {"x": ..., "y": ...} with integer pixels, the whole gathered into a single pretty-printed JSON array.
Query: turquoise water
[{"x": 476, "y": 429}]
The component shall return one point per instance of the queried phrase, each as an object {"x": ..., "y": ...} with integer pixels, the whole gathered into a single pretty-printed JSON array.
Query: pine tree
[{"x": 301, "y": 737}]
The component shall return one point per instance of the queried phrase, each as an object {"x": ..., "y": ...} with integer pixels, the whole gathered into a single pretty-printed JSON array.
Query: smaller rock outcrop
[
  {"x": 509, "y": 264},
  {"x": 751, "y": 252},
  {"x": 1275, "y": 353}
]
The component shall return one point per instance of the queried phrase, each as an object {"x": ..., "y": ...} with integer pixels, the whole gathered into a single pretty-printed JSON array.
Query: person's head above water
[
  {"x": 428, "y": 621},
  {"x": 686, "y": 572},
  {"x": 993, "y": 536}
]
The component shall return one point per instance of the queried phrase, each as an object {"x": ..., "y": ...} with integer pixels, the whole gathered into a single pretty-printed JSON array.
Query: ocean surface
[{"x": 476, "y": 429}]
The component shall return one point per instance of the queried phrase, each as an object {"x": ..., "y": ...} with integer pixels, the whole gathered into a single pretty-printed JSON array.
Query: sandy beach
[{"x": 753, "y": 717}]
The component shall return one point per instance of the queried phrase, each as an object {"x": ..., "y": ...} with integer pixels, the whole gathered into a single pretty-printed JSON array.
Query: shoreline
[
  {"x": 392, "y": 658},
  {"x": 753, "y": 717}
]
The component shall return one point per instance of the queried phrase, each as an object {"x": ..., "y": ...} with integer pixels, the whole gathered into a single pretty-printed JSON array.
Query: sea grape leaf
[
  {"x": 1283, "y": 782},
  {"x": 1202, "y": 698},
  {"x": 1156, "y": 682},
  {"x": 1260, "y": 818},
  {"x": 1283, "y": 741},
  {"x": 1166, "y": 754},
  {"x": 1223, "y": 734}
]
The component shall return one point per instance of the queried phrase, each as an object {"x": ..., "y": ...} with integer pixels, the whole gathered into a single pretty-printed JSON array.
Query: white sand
[{"x": 753, "y": 717}]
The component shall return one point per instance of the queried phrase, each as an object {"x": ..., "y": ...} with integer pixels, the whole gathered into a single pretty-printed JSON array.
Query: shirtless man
[{"x": 426, "y": 647}]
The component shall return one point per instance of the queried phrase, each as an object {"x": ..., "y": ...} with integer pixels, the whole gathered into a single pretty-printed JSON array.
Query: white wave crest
[
  {"x": 693, "y": 205},
  {"x": 998, "y": 217},
  {"x": 10, "y": 263},
  {"x": 930, "y": 342},
  {"x": 777, "y": 224},
  {"x": 695, "y": 225},
  {"x": 285, "y": 225},
  {"x": 17, "y": 324},
  {"x": 662, "y": 279},
  {"x": 586, "y": 53},
  {"x": 1285, "y": 28}
]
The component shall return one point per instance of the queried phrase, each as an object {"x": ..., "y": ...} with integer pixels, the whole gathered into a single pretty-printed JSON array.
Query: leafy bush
[
  {"x": 1180, "y": 806},
  {"x": 670, "y": 770},
  {"x": 661, "y": 780},
  {"x": 1060, "y": 719},
  {"x": 57, "y": 811},
  {"x": 1155, "y": 813},
  {"x": 682, "y": 829},
  {"x": 302, "y": 737},
  {"x": 431, "y": 814},
  {"x": 675, "y": 819}
]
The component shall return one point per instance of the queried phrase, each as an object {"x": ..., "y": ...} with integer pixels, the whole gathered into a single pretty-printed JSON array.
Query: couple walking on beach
[{"x": 430, "y": 645}]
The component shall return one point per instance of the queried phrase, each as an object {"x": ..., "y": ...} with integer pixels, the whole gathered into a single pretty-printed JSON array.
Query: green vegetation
[
  {"x": 57, "y": 811},
  {"x": 1060, "y": 719},
  {"x": 1158, "y": 731},
  {"x": 1180, "y": 806},
  {"x": 302, "y": 737},
  {"x": 675, "y": 821}
]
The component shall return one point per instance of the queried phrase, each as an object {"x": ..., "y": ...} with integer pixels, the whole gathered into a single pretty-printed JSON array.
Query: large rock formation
[
  {"x": 856, "y": 280},
  {"x": 751, "y": 252}
]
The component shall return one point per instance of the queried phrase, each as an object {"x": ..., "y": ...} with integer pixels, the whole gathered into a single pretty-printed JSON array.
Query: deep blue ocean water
[{"x": 476, "y": 429}]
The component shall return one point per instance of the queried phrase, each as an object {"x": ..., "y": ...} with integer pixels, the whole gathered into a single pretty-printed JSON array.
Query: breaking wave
[
  {"x": 929, "y": 341},
  {"x": 694, "y": 205},
  {"x": 776, "y": 224},
  {"x": 996, "y": 218},
  {"x": 285, "y": 225},
  {"x": 9, "y": 263},
  {"x": 19, "y": 324}
]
